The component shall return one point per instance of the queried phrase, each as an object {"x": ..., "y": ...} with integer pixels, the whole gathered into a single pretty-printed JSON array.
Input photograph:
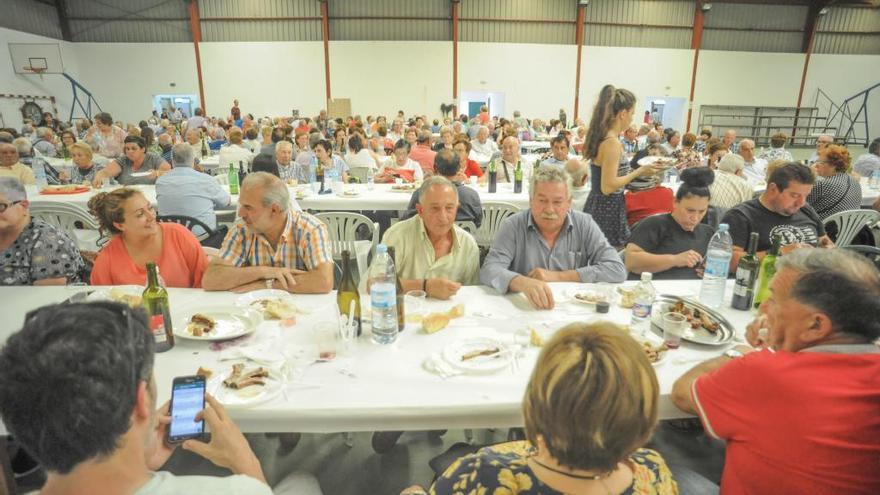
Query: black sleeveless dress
[{"x": 608, "y": 210}]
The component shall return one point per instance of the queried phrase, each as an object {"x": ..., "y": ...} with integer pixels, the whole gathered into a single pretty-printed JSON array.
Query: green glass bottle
[
  {"x": 401, "y": 311},
  {"x": 158, "y": 310},
  {"x": 746, "y": 276},
  {"x": 232, "y": 175},
  {"x": 204, "y": 145},
  {"x": 768, "y": 269},
  {"x": 348, "y": 293},
  {"x": 517, "y": 178}
]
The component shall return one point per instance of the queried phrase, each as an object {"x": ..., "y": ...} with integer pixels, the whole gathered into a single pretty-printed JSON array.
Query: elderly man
[
  {"x": 579, "y": 172},
  {"x": 236, "y": 152},
  {"x": 549, "y": 243},
  {"x": 729, "y": 140},
  {"x": 754, "y": 168},
  {"x": 629, "y": 141},
  {"x": 652, "y": 143},
  {"x": 11, "y": 167},
  {"x": 165, "y": 145},
  {"x": 119, "y": 441},
  {"x": 868, "y": 163},
  {"x": 730, "y": 187},
  {"x": 272, "y": 246},
  {"x": 183, "y": 191},
  {"x": 287, "y": 168},
  {"x": 510, "y": 158},
  {"x": 800, "y": 415},
  {"x": 672, "y": 141},
  {"x": 45, "y": 143},
  {"x": 782, "y": 209},
  {"x": 558, "y": 152},
  {"x": 469, "y": 209},
  {"x": 483, "y": 148},
  {"x": 822, "y": 141},
  {"x": 423, "y": 154}
]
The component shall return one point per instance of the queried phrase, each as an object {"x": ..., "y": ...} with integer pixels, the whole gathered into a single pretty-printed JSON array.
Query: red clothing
[
  {"x": 425, "y": 156},
  {"x": 181, "y": 264},
  {"x": 236, "y": 112},
  {"x": 304, "y": 128},
  {"x": 805, "y": 422},
  {"x": 643, "y": 204},
  {"x": 484, "y": 117},
  {"x": 472, "y": 168}
]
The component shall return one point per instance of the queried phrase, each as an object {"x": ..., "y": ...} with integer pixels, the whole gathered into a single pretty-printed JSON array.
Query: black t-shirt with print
[
  {"x": 661, "y": 234},
  {"x": 751, "y": 216}
]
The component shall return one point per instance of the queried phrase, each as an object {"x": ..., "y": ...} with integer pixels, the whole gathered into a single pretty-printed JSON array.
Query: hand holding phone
[{"x": 187, "y": 401}]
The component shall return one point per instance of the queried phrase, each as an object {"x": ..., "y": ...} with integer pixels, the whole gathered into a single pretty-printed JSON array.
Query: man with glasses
[
  {"x": 822, "y": 141},
  {"x": 95, "y": 422}
]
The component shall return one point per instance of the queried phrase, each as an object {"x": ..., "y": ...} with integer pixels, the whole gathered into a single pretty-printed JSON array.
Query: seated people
[
  {"x": 687, "y": 156},
  {"x": 835, "y": 189},
  {"x": 577, "y": 443},
  {"x": 510, "y": 158},
  {"x": 777, "y": 150},
  {"x": 715, "y": 152},
  {"x": 135, "y": 166},
  {"x": 33, "y": 252},
  {"x": 11, "y": 167},
  {"x": 45, "y": 143},
  {"x": 330, "y": 163},
  {"x": 782, "y": 209},
  {"x": 672, "y": 245},
  {"x": 549, "y": 242},
  {"x": 96, "y": 365},
  {"x": 422, "y": 152},
  {"x": 559, "y": 152},
  {"x": 731, "y": 186},
  {"x": 447, "y": 165},
  {"x": 799, "y": 416},
  {"x": 235, "y": 153},
  {"x": 432, "y": 253},
  {"x": 85, "y": 169},
  {"x": 866, "y": 164},
  {"x": 482, "y": 148},
  {"x": 358, "y": 156},
  {"x": 105, "y": 138},
  {"x": 272, "y": 246},
  {"x": 401, "y": 165},
  {"x": 646, "y": 196},
  {"x": 183, "y": 191},
  {"x": 580, "y": 177},
  {"x": 218, "y": 139},
  {"x": 287, "y": 168},
  {"x": 470, "y": 168},
  {"x": 138, "y": 239}
]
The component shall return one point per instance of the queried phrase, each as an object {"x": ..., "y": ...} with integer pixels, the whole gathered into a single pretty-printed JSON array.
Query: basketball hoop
[{"x": 35, "y": 70}]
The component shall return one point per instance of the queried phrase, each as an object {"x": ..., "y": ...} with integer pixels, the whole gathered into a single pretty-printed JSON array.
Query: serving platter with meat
[{"x": 705, "y": 326}]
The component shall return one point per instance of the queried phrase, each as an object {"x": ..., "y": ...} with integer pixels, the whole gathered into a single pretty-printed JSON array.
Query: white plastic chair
[
  {"x": 850, "y": 223},
  {"x": 65, "y": 216},
  {"x": 467, "y": 226},
  {"x": 494, "y": 214},
  {"x": 361, "y": 173},
  {"x": 343, "y": 228}
]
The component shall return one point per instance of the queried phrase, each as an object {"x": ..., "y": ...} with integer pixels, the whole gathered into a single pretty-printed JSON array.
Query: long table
[{"x": 385, "y": 387}]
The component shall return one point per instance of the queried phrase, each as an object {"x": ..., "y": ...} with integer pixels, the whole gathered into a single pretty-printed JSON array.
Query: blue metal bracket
[{"x": 85, "y": 108}]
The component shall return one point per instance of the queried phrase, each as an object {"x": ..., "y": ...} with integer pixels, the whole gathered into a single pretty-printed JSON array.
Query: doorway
[
  {"x": 167, "y": 103},
  {"x": 667, "y": 110},
  {"x": 473, "y": 100}
]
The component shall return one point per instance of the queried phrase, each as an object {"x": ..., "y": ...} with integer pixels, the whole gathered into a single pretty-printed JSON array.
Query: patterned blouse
[
  {"x": 687, "y": 158},
  {"x": 834, "y": 194},
  {"x": 504, "y": 470},
  {"x": 41, "y": 251},
  {"x": 771, "y": 154}
]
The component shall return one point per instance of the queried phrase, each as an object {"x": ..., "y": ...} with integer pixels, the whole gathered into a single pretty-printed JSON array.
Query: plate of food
[
  {"x": 140, "y": 174},
  {"x": 218, "y": 323},
  {"x": 405, "y": 187},
  {"x": 273, "y": 304},
  {"x": 657, "y": 353},
  {"x": 705, "y": 326},
  {"x": 125, "y": 294},
  {"x": 243, "y": 385},
  {"x": 659, "y": 161},
  {"x": 349, "y": 192},
  {"x": 66, "y": 189},
  {"x": 477, "y": 355},
  {"x": 588, "y": 295}
]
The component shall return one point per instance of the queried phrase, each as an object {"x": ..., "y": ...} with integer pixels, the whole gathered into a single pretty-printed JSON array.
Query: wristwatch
[{"x": 733, "y": 354}]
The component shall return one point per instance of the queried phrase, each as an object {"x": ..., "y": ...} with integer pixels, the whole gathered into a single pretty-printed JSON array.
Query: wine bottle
[
  {"x": 204, "y": 146},
  {"x": 493, "y": 176},
  {"x": 232, "y": 175},
  {"x": 746, "y": 276},
  {"x": 401, "y": 312},
  {"x": 241, "y": 172},
  {"x": 768, "y": 269},
  {"x": 158, "y": 310},
  {"x": 348, "y": 293},
  {"x": 517, "y": 178}
]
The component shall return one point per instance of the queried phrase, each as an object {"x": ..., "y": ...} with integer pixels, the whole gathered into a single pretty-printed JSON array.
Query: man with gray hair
[
  {"x": 183, "y": 191},
  {"x": 822, "y": 140},
  {"x": 549, "y": 242},
  {"x": 730, "y": 187},
  {"x": 579, "y": 172},
  {"x": 10, "y": 166},
  {"x": 45, "y": 143},
  {"x": 799, "y": 407},
  {"x": 272, "y": 245},
  {"x": 754, "y": 168},
  {"x": 482, "y": 148}
]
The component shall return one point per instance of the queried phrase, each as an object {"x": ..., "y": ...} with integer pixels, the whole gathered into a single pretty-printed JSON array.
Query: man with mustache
[{"x": 549, "y": 243}]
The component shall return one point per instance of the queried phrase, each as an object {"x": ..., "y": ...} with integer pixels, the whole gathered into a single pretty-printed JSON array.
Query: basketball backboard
[{"x": 44, "y": 57}]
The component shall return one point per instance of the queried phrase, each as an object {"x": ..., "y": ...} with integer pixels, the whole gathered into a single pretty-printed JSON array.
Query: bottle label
[
  {"x": 717, "y": 266},
  {"x": 641, "y": 309},
  {"x": 157, "y": 326},
  {"x": 383, "y": 296}
]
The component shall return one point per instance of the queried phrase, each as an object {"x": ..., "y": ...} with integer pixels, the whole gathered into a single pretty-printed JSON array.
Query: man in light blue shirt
[
  {"x": 184, "y": 191},
  {"x": 559, "y": 149},
  {"x": 549, "y": 243}
]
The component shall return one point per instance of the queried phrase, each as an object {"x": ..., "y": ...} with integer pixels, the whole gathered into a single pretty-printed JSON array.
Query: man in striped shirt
[{"x": 272, "y": 246}]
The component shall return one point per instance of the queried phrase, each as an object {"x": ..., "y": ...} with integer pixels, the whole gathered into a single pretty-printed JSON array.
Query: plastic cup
[
  {"x": 398, "y": 181},
  {"x": 326, "y": 339},
  {"x": 673, "y": 327},
  {"x": 414, "y": 305}
]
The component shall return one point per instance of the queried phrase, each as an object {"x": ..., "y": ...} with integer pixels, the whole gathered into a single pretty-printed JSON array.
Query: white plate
[
  {"x": 482, "y": 364},
  {"x": 649, "y": 160},
  {"x": 140, "y": 174},
  {"x": 113, "y": 293},
  {"x": 247, "y": 397},
  {"x": 571, "y": 293},
  {"x": 349, "y": 194},
  {"x": 231, "y": 323},
  {"x": 248, "y": 300}
]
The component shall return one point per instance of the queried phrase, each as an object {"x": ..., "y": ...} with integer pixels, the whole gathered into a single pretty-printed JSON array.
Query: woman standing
[{"x": 609, "y": 168}]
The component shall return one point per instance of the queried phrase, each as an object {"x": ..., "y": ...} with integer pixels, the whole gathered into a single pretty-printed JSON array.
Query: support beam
[
  {"x": 807, "y": 49},
  {"x": 455, "y": 5},
  {"x": 579, "y": 40},
  {"x": 696, "y": 41},
  {"x": 196, "y": 29},
  {"x": 63, "y": 20},
  {"x": 325, "y": 32}
]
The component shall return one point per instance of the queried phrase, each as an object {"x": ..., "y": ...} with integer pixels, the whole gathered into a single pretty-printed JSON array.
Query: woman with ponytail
[{"x": 609, "y": 169}]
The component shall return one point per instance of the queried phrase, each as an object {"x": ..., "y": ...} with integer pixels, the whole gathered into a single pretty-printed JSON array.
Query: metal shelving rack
[{"x": 759, "y": 123}]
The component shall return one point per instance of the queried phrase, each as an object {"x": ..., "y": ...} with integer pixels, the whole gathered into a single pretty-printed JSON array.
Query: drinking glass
[
  {"x": 414, "y": 305},
  {"x": 347, "y": 335},
  {"x": 473, "y": 180},
  {"x": 673, "y": 327},
  {"x": 326, "y": 338}
]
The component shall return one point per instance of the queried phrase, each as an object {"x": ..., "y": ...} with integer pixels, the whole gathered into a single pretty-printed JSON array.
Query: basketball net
[{"x": 35, "y": 70}]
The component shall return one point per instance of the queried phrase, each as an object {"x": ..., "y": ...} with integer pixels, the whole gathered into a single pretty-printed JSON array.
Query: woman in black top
[{"x": 673, "y": 245}]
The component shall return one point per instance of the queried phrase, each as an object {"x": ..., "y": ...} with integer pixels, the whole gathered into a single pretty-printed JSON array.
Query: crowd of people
[{"x": 597, "y": 212}]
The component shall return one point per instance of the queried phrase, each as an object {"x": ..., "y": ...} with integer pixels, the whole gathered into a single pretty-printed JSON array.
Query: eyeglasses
[{"x": 5, "y": 206}]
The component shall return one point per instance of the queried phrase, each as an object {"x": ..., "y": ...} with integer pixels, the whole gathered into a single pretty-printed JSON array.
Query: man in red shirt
[
  {"x": 423, "y": 153},
  {"x": 801, "y": 415}
]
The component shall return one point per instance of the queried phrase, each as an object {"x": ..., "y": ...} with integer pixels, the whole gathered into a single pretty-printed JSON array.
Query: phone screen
[{"x": 187, "y": 400}]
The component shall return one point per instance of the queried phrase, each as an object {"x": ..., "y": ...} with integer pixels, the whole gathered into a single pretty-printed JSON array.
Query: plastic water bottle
[
  {"x": 717, "y": 267},
  {"x": 39, "y": 173},
  {"x": 313, "y": 171},
  {"x": 383, "y": 297},
  {"x": 644, "y": 300},
  {"x": 370, "y": 181}
]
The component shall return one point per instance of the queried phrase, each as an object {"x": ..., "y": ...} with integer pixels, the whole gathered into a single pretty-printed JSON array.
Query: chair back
[
  {"x": 360, "y": 173},
  {"x": 343, "y": 227},
  {"x": 494, "y": 214},
  {"x": 467, "y": 226},
  {"x": 850, "y": 222},
  {"x": 189, "y": 223},
  {"x": 870, "y": 252},
  {"x": 66, "y": 216}
]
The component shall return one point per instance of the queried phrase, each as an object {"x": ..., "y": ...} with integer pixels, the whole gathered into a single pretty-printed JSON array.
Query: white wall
[
  {"x": 382, "y": 77},
  {"x": 842, "y": 76}
]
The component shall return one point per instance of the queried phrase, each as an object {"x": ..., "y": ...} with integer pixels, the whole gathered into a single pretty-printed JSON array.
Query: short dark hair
[
  {"x": 265, "y": 163},
  {"x": 278, "y": 134},
  {"x": 104, "y": 118},
  {"x": 252, "y": 132},
  {"x": 783, "y": 175},
  {"x": 560, "y": 138},
  {"x": 874, "y": 147},
  {"x": 354, "y": 143},
  {"x": 136, "y": 140},
  {"x": 402, "y": 143},
  {"x": 446, "y": 163},
  {"x": 70, "y": 379},
  {"x": 324, "y": 144}
]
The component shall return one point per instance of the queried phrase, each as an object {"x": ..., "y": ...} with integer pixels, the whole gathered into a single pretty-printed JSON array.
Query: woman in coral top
[{"x": 139, "y": 239}]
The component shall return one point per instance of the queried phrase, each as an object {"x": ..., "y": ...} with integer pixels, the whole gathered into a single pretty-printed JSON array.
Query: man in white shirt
[
  {"x": 754, "y": 168},
  {"x": 730, "y": 187},
  {"x": 483, "y": 148},
  {"x": 580, "y": 174},
  {"x": 235, "y": 152},
  {"x": 509, "y": 158},
  {"x": 118, "y": 439}
]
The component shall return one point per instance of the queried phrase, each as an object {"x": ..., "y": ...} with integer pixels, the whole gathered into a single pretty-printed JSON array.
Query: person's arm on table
[
  {"x": 316, "y": 281},
  {"x": 111, "y": 171},
  {"x": 681, "y": 390},
  {"x": 638, "y": 260},
  {"x": 496, "y": 271},
  {"x": 223, "y": 275},
  {"x": 438, "y": 288}
]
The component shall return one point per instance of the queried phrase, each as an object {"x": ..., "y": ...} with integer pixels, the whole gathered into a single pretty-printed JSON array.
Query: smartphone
[{"x": 187, "y": 400}]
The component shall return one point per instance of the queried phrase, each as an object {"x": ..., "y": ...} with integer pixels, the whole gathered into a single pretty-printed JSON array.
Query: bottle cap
[
  {"x": 646, "y": 276},
  {"x": 381, "y": 248},
  {"x": 602, "y": 307}
]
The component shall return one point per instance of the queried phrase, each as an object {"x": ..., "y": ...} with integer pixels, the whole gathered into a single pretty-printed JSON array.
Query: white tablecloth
[{"x": 385, "y": 387}]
